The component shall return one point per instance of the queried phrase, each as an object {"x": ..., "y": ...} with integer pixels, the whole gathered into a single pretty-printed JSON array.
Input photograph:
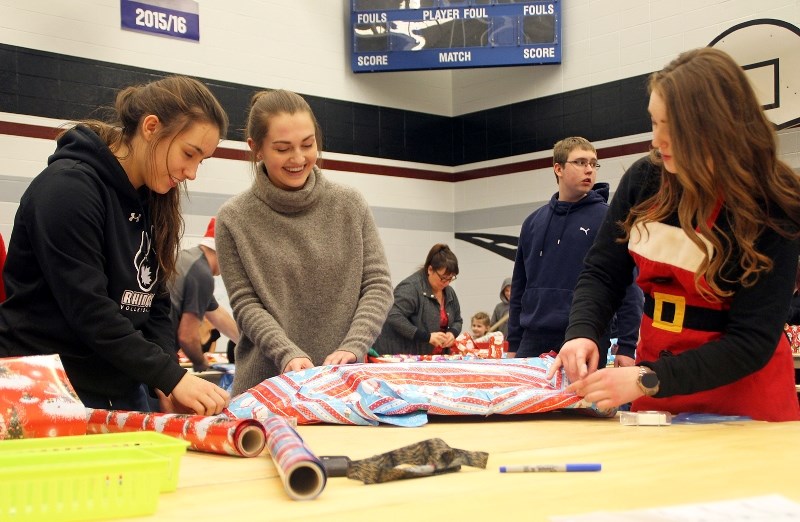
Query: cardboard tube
[{"x": 301, "y": 471}]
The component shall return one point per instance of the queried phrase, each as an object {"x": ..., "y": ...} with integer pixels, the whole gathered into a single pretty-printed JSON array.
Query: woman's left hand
[
  {"x": 298, "y": 364},
  {"x": 609, "y": 387},
  {"x": 340, "y": 357},
  {"x": 167, "y": 405},
  {"x": 194, "y": 395}
]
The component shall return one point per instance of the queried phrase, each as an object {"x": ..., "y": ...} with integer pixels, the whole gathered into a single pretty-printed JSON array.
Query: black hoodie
[{"x": 82, "y": 278}]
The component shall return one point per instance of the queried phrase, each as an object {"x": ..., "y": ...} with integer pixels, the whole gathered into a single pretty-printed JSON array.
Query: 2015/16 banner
[{"x": 176, "y": 18}]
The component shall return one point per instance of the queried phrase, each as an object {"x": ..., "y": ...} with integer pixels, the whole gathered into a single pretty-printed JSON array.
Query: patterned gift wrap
[
  {"x": 465, "y": 348},
  {"x": 490, "y": 346},
  {"x": 211, "y": 434},
  {"x": 410, "y": 357},
  {"x": 793, "y": 333},
  {"x": 37, "y": 400},
  {"x": 403, "y": 394},
  {"x": 302, "y": 473}
]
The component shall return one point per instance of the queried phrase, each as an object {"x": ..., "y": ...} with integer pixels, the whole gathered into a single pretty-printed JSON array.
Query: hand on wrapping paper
[
  {"x": 194, "y": 395},
  {"x": 340, "y": 357},
  {"x": 609, "y": 387},
  {"x": 579, "y": 357},
  {"x": 297, "y": 364}
]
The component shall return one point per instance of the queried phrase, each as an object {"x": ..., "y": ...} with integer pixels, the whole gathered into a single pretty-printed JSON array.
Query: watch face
[{"x": 649, "y": 380}]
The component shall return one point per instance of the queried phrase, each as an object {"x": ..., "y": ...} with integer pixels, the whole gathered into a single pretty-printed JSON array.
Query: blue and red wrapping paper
[{"x": 404, "y": 394}]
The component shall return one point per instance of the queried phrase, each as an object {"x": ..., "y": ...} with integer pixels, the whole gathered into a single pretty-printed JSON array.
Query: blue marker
[{"x": 550, "y": 468}]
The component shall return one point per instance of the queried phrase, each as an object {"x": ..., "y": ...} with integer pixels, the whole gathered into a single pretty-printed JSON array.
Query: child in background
[
  {"x": 500, "y": 315},
  {"x": 480, "y": 324},
  {"x": 480, "y": 342}
]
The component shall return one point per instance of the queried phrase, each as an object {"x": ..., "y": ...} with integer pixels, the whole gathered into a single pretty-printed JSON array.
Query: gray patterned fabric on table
[{"x": 422, "y": 459}]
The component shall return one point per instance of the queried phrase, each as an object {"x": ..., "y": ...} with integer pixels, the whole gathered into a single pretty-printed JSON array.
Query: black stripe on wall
[{"x": 51, "y": 85}]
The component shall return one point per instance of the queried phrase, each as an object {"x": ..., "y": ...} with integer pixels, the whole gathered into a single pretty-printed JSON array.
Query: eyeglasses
[
  {"x": 446, "y": 279},
  {"x": 582, "y": 163}
]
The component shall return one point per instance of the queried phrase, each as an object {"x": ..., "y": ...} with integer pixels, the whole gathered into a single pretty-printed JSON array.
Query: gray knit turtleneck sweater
[{"x": 305, "y": 272}]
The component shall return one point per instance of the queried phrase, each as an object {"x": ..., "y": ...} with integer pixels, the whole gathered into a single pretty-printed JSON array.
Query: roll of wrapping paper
[
  {"x": 211, "y": 434},
  {"x": 301, "y": 471}
]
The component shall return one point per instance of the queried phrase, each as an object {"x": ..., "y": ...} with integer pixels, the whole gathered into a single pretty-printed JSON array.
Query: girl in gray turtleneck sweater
[{"x": 300, "y": 256}]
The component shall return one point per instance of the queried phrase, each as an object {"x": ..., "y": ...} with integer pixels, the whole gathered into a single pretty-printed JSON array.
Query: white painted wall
[
  {"x": 302, "y": 45},
  {"x": 606, "y": 40}
]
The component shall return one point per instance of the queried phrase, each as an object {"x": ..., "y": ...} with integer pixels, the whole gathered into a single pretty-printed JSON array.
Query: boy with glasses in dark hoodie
[{"x": 553, "y": 241}]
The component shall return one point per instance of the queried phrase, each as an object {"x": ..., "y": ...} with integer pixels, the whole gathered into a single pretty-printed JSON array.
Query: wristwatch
[{"x": 647, "y": 381}]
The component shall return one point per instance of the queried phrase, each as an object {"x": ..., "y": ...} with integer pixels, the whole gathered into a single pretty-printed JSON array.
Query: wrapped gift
[
  {"x": 37, "y": 400},
  {"x": 490, "y": 346},
  {"x": 793, "y": 333},
  {"x": 405, "y": 393}
]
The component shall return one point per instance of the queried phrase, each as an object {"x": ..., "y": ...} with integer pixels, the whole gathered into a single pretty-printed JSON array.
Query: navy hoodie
[
  {"x": 82, "y": 277},
  {"x": 552, "y": 245}
]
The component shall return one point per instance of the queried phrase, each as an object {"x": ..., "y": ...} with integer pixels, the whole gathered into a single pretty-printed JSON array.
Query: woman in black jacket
[{"x": 426, "y": 315}]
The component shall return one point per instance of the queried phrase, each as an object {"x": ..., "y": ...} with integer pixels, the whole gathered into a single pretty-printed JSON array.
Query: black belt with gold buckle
[{"x": 671, "y": 313}]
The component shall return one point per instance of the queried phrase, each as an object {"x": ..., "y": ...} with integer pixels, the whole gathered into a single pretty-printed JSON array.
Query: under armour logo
[
  {"x": 134, "y": 217},
  {"x": 584, "y": 230}
]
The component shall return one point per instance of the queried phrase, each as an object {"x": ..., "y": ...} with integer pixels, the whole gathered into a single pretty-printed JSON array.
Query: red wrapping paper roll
[{"x": 211, "y": 434}]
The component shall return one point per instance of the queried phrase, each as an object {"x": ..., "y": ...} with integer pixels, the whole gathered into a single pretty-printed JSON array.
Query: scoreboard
[{"x": 399, "y": 35}]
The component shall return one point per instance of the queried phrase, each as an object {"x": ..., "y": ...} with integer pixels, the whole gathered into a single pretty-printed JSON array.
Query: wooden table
[{"x": 642, "y": 467}]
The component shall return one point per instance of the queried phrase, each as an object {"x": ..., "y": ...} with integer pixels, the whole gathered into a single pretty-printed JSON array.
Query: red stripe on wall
[
  {"x": 387, "y": 170},
  {"x": 26, "y": 130},
  {"x": 231, "y": 154}
]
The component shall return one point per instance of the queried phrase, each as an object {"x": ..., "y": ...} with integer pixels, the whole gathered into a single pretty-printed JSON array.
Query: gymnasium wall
[{"x": 435, "y": 153}]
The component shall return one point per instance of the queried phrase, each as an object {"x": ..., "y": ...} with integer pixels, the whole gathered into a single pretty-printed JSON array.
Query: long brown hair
[
  {"x": 723, "y": 147},
  {"x": 179, "y": 102}
]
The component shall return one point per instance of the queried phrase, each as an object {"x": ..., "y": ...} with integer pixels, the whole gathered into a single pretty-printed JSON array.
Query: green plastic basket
[
  {"x": 69, "y": 486},
  {"x": 169, "y": 447}
]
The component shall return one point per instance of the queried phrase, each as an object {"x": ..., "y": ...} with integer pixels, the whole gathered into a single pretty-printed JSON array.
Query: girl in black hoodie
[{"x": 94, "y": 241}]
